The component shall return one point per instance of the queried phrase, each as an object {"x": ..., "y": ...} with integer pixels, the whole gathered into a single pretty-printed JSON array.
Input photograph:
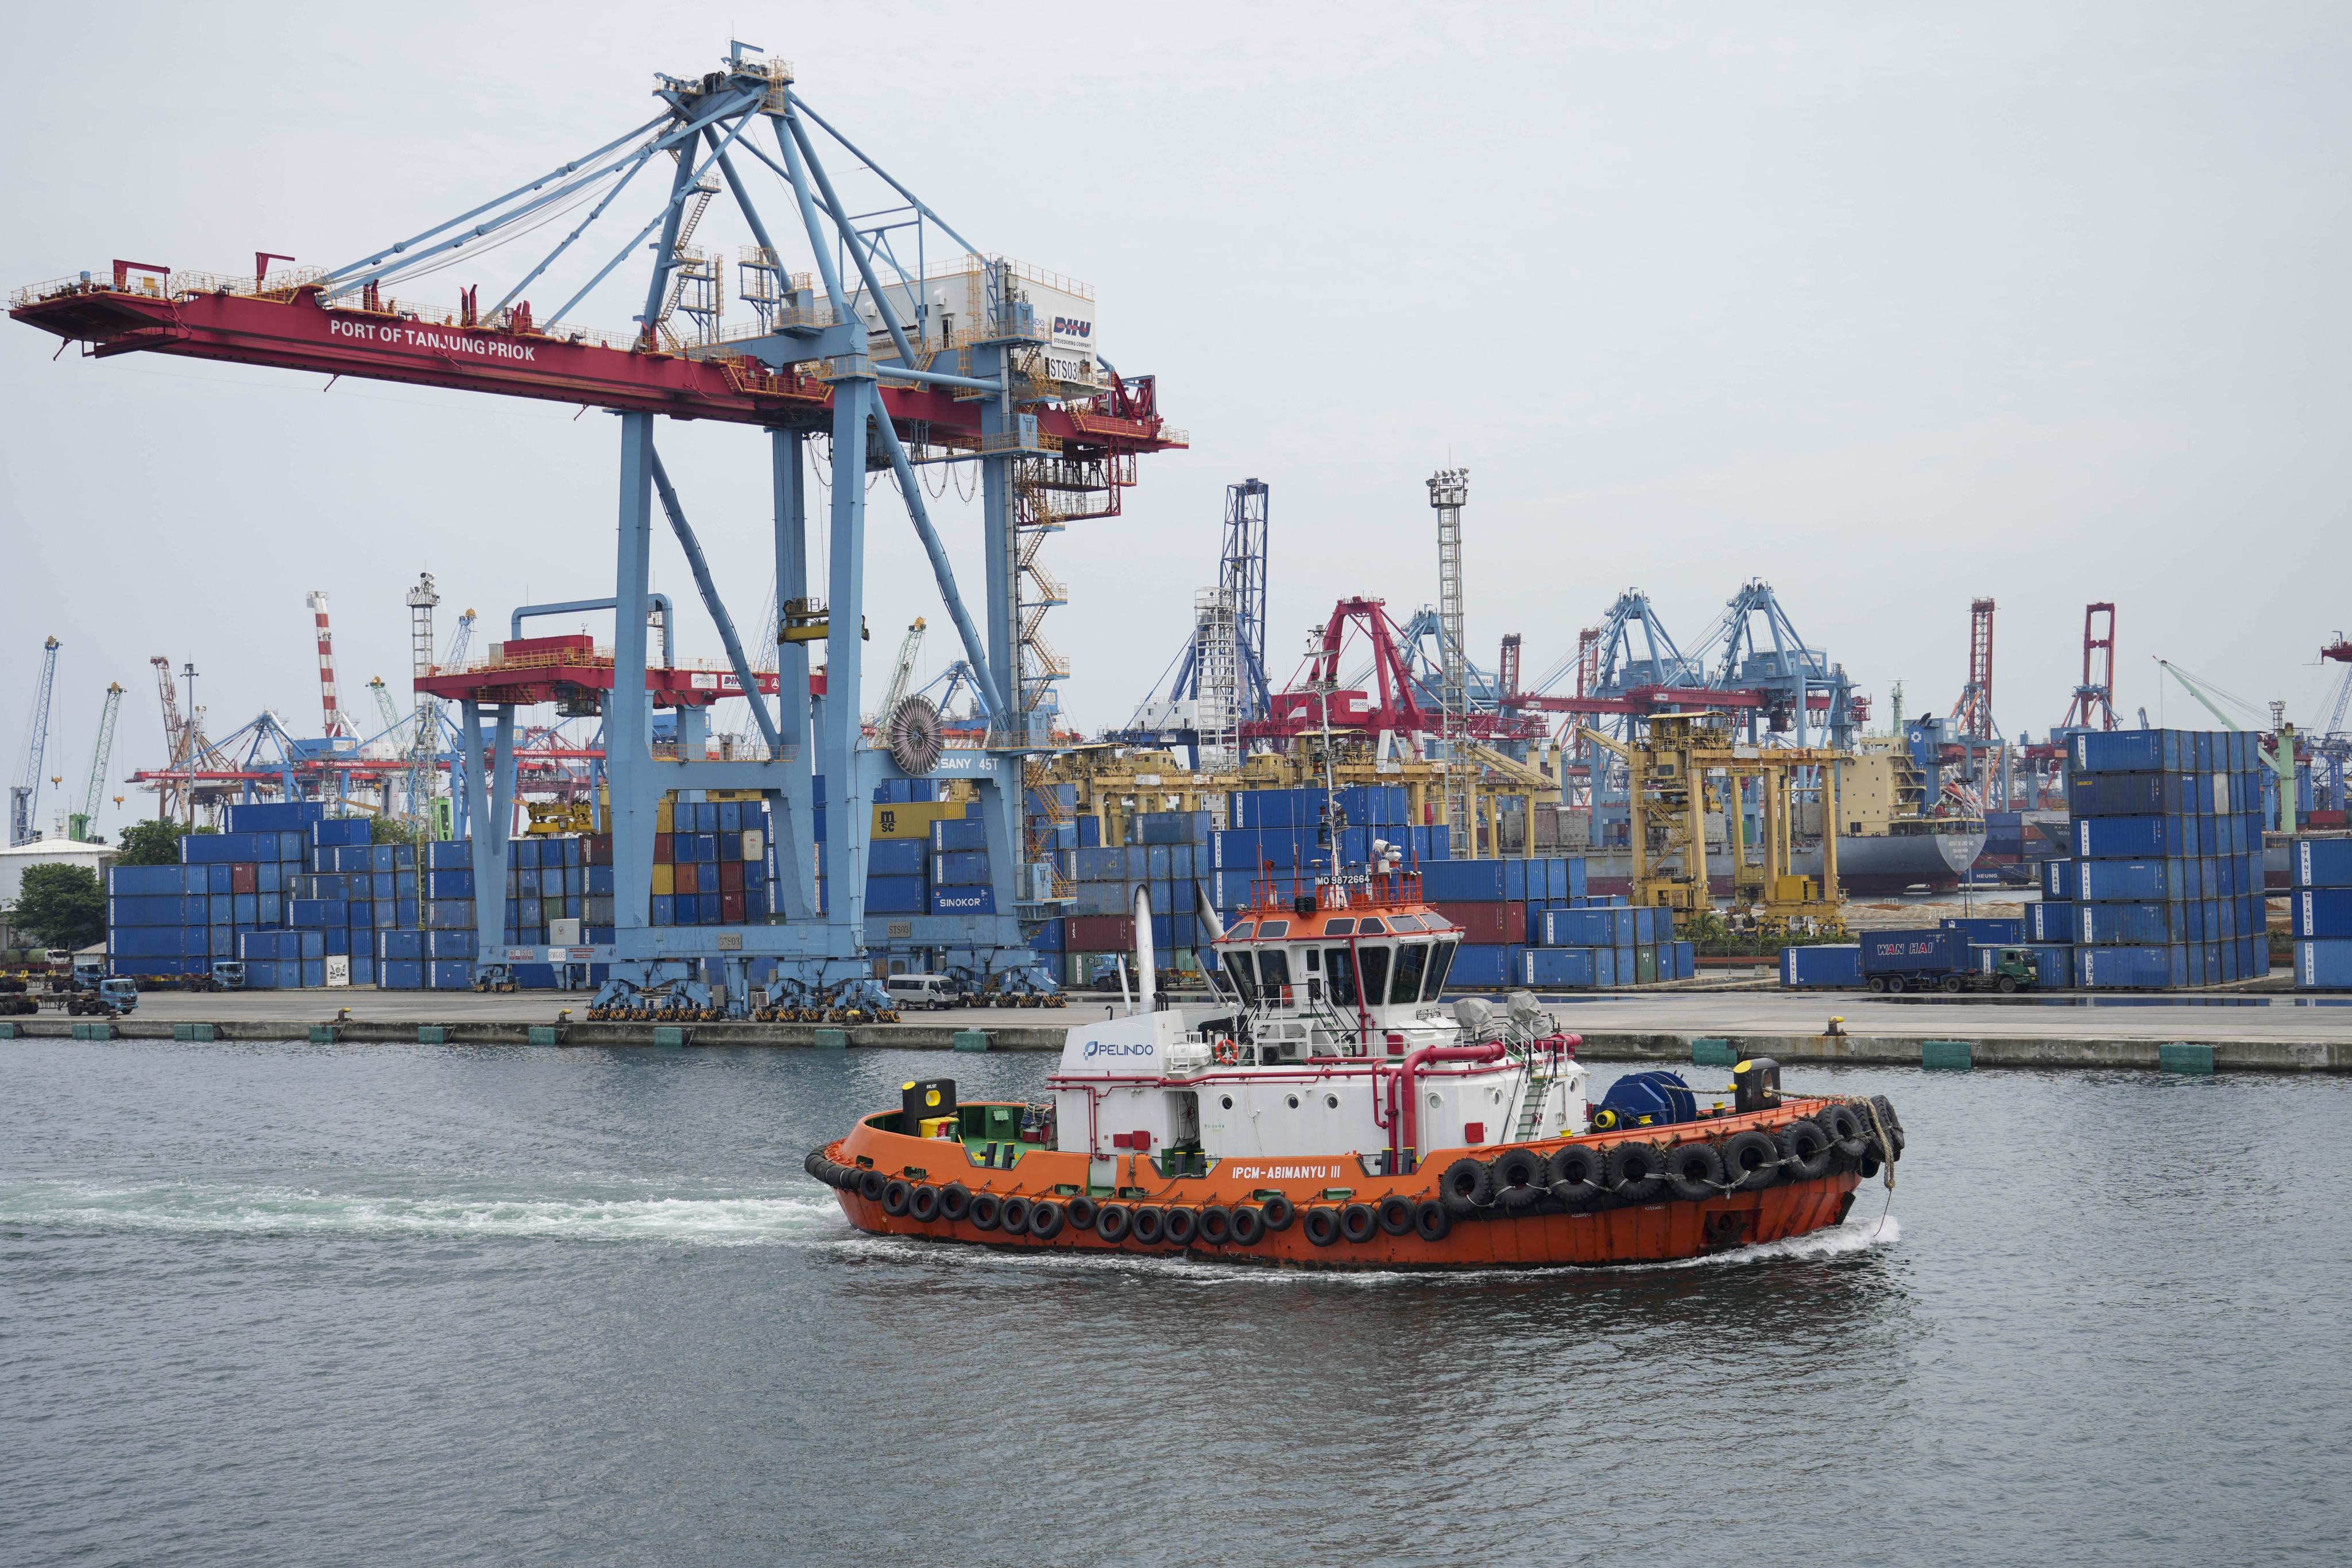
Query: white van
[{"x": 933, "y": 991}]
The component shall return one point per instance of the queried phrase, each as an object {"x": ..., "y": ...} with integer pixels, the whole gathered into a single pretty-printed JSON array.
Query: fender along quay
[{"x": 1331, "y": 1112}]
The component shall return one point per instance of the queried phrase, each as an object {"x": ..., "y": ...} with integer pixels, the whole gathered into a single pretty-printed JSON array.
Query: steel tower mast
[
  {"x": 1449, "y": 488},
  {"x": 24, "y": 800}
]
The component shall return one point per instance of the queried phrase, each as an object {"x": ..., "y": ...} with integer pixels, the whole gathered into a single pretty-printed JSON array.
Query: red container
[
  {"x": 241, "y": 877},
  {"x": 598, "y": 851},
  {"x": 689, "y": 878},
  {"x": 731, "y": 908},
  {"x": 1487, "y": 922},
  {"x": 1101, "y": 934},
  {"x": 661, "y": 848},
  {"x": 730, "y": 876}
]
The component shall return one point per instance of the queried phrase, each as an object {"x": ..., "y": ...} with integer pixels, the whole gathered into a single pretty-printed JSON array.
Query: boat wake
[{"x": 225, "y": 1210}]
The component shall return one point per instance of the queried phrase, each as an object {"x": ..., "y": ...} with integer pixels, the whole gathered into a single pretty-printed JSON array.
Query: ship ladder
[{"x": 1531, "y": 1106}]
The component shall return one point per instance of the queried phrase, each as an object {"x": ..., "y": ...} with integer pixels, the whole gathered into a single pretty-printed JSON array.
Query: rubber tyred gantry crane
[{"x": 914, "y": 354}]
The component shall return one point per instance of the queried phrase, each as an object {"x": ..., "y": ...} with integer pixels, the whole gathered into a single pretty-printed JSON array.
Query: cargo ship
[
  {"x": 1893, "y": 835},
  {"x": 1332, "y": 1112}
]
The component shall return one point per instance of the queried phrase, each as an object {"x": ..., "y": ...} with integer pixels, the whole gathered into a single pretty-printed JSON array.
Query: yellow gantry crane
[{"x": 1670, "y": 766}]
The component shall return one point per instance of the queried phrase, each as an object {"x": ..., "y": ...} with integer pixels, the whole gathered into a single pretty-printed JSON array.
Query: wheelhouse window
[
  {"x": 1271, "y": 928},
  {"x": 1374, "y": 963},
  {"x": 1441, "y": 960},
  {"x": 1404, "y": 921},
  {"x": 1340, "y": 928},
  {"x": 1339, "y": 977},
  {"x": 1374, "y": 928},
  {"x": 1272, "y": 973},
  {"x": 1244, "y": 929},
  {"x": 1244, "y": 974},
  {"x": 1411, "y": 963}
]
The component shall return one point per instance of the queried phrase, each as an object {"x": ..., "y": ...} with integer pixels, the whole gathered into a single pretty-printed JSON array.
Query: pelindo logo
[
  {"x": 1070, "y": 327},
  {"x": 1112, "y": 1048}
]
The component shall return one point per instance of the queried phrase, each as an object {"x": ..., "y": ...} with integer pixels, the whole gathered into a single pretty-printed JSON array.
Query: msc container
[
  {"x": 1914, "y": 952},
  {"x": 958, "y": 833},
  {"x": 1466, "y": 881},
  {"x": 2128, "y": 751},
  {"x": 960, "y": 868},
  {"x": 895, "y": 894},
  {"x": 1821, "y": 966},
  {"x": 2136, "y": 838},
  {"x": 2323, "y": 965},
  {"x": 1577, "y": 928},
  {"x": 2054, "y": 965},
  {"x": 2324, "y": 913},
  {"x": 2052, "y": 922},
  {"x": 2130, "y": 968},
  {"x": 2125, "y": 881},
  {"x": 1479, "y": 964},
  {"x": 2133, "y": 924},
  {"x": 2313, "y": 863},
  {"x": 1983, "y": 930},
  {"x": 1571, "y": 966}
]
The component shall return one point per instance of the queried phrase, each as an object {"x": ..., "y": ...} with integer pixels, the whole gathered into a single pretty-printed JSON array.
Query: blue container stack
[
  {"x": 1169, "y": 864},
  {"x": 1581, "y": 943},
  {"x": 2164, "y": 888},
  {"x": 172, "y": 920},
  {"x": 2321, "y": 906},
  {"x": 720, "y": 865}
]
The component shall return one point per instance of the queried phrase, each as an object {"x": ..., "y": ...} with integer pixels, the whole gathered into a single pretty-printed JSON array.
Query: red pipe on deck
[{"x": 1409, "y": 1126}]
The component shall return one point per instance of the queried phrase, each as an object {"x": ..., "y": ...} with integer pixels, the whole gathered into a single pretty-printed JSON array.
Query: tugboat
[{"x": 1332, "y": 1111}]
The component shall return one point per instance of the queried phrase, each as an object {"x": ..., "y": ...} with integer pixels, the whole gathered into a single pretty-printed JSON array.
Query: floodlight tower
[{"x": 1449, "y": 489}]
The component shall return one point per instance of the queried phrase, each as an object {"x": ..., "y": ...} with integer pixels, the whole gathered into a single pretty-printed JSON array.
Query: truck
[
  {"x": 1942, "y": 960},
  {"x": 109, "y": 997}
]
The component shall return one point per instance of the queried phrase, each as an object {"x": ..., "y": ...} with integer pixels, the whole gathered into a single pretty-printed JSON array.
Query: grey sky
[{"x": 1894, "y": 306}]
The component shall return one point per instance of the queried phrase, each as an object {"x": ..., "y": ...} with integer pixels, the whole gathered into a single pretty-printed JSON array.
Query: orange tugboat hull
[{"x": 1539, "y": 1234}]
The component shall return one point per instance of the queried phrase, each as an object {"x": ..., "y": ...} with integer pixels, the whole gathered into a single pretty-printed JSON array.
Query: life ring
[
  {"x": 1111, "y": 1222},
  {"x": 1467, "y": 1186},
  {"x": 1279, "y": 1211},
  {"x": 1248, "y": 1225},
  {"x": 1804, "y": 1151},
  {"x": 1181, "y": 1226},
  {"x": 1216, "y": 1227},
  {"x": 870, "y": 1183},
  {"x": 1519, "y": 1177},
  {"x": 1432, "y": 1219},
  {"x": 1636, "y": 1171},
  {"x": 1694, "y": 1172},
  {"x": 1751, "y": 1160},
  {"x": 1396, "y": 1214},
  {"x": 987, "y": 1210},
  {"x": 1045, "y": 1219},
  {"x": 1573, "y": 1174},
  {"x": 1228, "y": 1054},
  {"x": 925, "y": 1203},
  {"x": 896, "y": 1195},
  {"x": 1082, "y": 1211},
  {"x": 1015, "y": 1216},
  {"x": 1358, "y": 1221},
  {"x": 1148, "y": 1225},
  {"x": 1321, "y": 1225}
]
